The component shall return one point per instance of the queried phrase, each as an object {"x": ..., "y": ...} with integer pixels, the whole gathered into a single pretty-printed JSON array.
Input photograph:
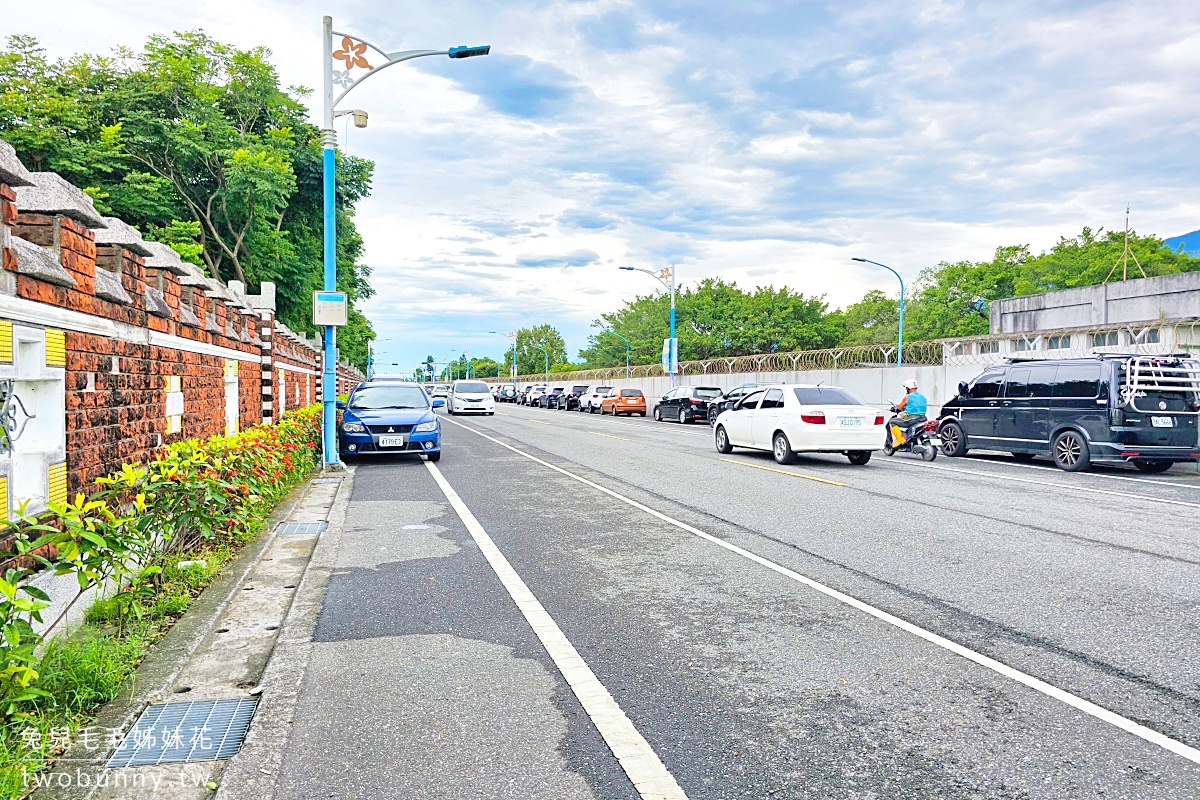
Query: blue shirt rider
[{"x": 911, "y": 408}]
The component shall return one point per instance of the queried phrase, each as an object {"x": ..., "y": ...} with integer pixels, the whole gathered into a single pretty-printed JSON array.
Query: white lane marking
[
  {"x": 1057, "y": 471},
  {"x": 1038, "y": 685},
  {"x": 643, "y": 766},
  {"x": 1056, "y": 485}
]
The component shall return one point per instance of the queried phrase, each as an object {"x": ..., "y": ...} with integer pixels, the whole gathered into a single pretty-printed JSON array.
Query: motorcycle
[{"x": 920, "y": 438}]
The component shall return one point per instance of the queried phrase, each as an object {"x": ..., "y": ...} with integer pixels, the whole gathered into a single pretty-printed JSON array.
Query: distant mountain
[{"x": 1188, "y": 243}]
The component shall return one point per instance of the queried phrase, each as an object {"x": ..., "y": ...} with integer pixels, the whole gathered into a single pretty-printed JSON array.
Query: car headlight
[
  {"x": 354, "y": 427},
  {"x": 426, "y": 427}
]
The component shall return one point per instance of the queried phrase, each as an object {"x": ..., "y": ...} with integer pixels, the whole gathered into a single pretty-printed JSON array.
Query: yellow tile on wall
[
  {"x": 4, "y": 496},
  {"x": 56, "y": 348},
  {"x": 5, "y": 342},
  {"x": 58, "y": 483}
]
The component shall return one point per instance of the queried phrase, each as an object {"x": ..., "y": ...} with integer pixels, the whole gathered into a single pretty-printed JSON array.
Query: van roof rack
[{"x": 1034, "y": 359}]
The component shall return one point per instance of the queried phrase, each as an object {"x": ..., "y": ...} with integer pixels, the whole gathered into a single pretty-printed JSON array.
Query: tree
[
  {"x": 196, "y": 144},
  {"x": 530, "y": 358}
]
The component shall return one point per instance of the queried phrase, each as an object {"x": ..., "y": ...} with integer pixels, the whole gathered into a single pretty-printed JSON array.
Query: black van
[{"x": 1105, "y": 409}]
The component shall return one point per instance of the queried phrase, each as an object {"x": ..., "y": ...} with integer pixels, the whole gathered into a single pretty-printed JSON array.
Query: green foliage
[
  {"x": 196, "y": 144},
  {"x": 531, "y": 359}
]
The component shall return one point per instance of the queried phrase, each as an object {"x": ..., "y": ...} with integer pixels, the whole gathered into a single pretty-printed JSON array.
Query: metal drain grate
[
  {"x": 302, "y": 528},
  {"x": 176, "y": 732},
  {"x": 326, "y": 480}
]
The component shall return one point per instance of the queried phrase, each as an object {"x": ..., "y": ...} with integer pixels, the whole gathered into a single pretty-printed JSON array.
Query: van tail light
[
  {"x": 879, "y": 419},
  {"x": 814, "y": 417}
]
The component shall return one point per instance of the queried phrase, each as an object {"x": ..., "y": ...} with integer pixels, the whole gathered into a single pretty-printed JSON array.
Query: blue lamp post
[
  {"x": 900, "y": 344},
  {"x": 352, "y": 55},
  {"x": 667, "y": 278},
  {"x": 626, "y": 341}
]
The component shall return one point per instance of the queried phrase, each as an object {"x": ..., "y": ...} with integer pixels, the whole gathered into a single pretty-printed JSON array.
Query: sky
[{"x": 765, "y": 143}]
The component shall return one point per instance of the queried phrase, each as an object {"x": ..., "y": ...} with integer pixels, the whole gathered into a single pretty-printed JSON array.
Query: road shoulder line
[
  {"x": 643, "y": 766},
  {"x": 1087, "y": 707}
]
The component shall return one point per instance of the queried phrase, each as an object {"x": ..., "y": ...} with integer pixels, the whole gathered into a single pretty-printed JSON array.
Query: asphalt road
[{"x": 968, "y": 628}]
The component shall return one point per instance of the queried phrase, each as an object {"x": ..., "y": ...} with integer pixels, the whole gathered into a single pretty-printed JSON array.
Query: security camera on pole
[{"x": 353, "y": 67}]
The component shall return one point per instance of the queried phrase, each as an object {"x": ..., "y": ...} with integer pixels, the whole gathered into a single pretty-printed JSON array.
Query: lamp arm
[{"x": 401, "y": 57}]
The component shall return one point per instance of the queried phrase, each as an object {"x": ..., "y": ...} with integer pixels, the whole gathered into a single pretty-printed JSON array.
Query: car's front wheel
[
  {"x": 781, "y": 448},
  {"x": 1071, "y": 451},
  {"x": 954, "y": 440},
  {"x": 721, "y": 439},
  {"x": 859, "y": 457},
  {"x": 657, "y": 414}
]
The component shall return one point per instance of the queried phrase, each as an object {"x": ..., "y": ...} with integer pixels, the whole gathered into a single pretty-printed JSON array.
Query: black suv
[
  {"x": 570, "y": 401},
  {"x": 552, "y": 397},
  {"x": 728, "y": 400},
  {"x": 686, "y": 403},
  {"x": 1106, "y": 409}
]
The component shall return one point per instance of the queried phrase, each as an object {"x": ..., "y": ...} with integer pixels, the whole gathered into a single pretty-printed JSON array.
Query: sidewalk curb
[
  {"x": 151, "y": 682},
  {"x": 251, "y": 774}
]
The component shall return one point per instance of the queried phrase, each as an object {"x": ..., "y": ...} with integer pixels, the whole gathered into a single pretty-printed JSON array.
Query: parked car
[
  {"x": 800, "y": 418},
  {"x": 441, "y": 390},
  {"x": 506, "y": 393},
  {"x": 552, "y": 398},
  {"x": 589, "y": 401},
  {"x": 1105, "y": 409},
  {"x": 728, "y": 400},
  {"x": 471, "y": 397},
  {"x": 686, "y": 404},
  {"x": 534, "y": 394},
  {"x": 389, "y": 417},
  {"x": 570, "y": 401},
  {"x": 624, "y": 401}
]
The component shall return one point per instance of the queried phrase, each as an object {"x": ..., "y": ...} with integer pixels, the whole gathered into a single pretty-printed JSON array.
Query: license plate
[
  {"x": 850, "y": 422},
  {"x": 1162, "y": 422},
  {"x": 391, "y": 441}
]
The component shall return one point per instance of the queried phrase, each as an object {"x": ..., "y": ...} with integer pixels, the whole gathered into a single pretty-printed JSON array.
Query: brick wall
[{"x": 116, "y": 347}]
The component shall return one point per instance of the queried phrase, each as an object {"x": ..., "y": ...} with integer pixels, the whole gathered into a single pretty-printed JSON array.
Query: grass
[{"x": 86, "y": 669}]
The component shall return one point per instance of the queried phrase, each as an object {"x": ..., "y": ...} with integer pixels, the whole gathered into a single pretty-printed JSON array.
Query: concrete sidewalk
[{"x": 405, "y": 670}]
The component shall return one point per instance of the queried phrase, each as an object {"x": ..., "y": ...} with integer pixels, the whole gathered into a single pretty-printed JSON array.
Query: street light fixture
[
  {"x": 353, "y": 56},
  {"x": 628, "y": 374},
  {"x": 666, "y": 277},
  {"x": 900, "y": 344},
  {"x": 511, "y": 335}
]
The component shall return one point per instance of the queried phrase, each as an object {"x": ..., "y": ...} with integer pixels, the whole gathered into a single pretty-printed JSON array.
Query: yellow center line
[
  {"x": 783, "y": 472},
  {"x": 539, "y": 422},
  {"x": 608, "y": 436}
]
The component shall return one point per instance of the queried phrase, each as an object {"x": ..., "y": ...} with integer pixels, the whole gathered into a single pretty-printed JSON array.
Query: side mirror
[
  {"x": 438, "y": 402},
  {"x": 341, "y": 405},
  {"x": 963, "y": 389}
]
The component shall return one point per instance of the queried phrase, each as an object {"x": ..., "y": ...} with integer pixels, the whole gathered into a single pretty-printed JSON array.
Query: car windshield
[
  {"x": 704, "y": 391},
  {"x": 631, "y": 392},
  {"x": 603, "y": 389},
  {"x": 578, "y": 389},
  {"x": 826, "y": 396},
  {"x": 369, "y": 398},
  {"x": 471, "y": 387}
]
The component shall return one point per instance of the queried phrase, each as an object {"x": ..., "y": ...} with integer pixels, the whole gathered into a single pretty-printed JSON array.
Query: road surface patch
[{"x": 643, "y": 766}]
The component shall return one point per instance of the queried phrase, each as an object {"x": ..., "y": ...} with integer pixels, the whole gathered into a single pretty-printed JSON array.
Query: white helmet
[{"x": 910, "y": 384}]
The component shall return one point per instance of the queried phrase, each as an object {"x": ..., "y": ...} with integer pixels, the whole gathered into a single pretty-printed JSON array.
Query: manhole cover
[
  {"x": 174, "y": 732},
  {"x": 326, "y": 480},
  {"x": 301, "y": 528}
]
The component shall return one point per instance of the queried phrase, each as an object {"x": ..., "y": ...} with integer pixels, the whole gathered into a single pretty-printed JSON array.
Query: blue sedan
[{"x": 381, "y": 418}]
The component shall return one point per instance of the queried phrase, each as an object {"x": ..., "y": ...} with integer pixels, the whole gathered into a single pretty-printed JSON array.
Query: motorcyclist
[{"x": 910, "y": 410}]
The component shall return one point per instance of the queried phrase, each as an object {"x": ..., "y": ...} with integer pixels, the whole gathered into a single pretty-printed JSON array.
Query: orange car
[{"x": 623, "y": 401}]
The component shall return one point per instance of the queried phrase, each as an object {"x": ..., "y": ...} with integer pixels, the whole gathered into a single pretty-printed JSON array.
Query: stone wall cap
[
  {"x": 163, "y": 256},
  {"x": 38, "y": 262},
  {"x": 12, "y": 171},
  {"x": 49, "y": 193},
  {"x": 120, "y": 233}
]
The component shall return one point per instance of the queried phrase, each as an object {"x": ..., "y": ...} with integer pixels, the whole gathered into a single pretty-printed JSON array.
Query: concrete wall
[
  {"x": 871, "y": 385},
  {"x": 1144, "y": 300}
]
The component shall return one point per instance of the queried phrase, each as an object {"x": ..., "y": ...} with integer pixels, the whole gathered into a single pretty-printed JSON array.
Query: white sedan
[
  {"x": 801, "y": 418},
  {"x": 471, "y": 397}
]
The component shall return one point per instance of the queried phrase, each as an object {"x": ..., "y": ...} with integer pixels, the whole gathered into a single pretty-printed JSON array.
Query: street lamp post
[
  {"x": 353, "y": 54},
  {"x": 547, "y": 352},
  {"x": 900, "y": 343},
  {"x": 511, "y": 335},
  {"x": 666, "y": 277},
  {"x": 626, "y": 341}
]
